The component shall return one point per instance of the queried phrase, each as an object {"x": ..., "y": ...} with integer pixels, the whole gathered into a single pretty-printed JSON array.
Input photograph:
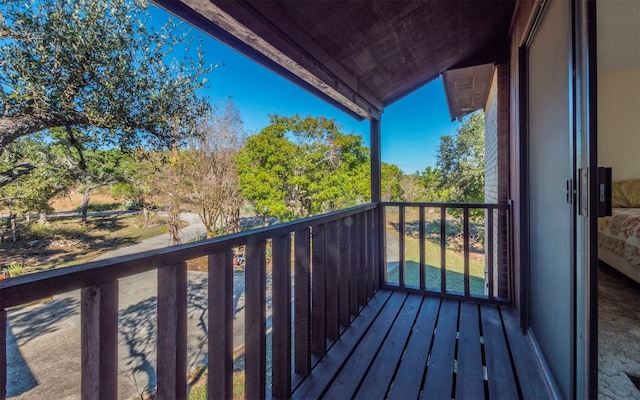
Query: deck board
[
  {"x": 502, "y": 383},
  {"x": 315, "y": 384},
  {"x": 439, "y": 381},
  {"x": 470, "y": 375},
  {"x": 408, "y": 380},
  {"x": 348, "y": 380},
  {"x": 405, "y": 346},
  {"x": 379, "y": 377}
]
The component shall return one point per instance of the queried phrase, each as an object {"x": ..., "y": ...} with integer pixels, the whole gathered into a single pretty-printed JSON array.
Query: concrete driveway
[{"x": 44, "y": 340}]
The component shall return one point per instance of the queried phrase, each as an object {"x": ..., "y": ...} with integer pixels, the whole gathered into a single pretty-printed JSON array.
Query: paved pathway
[{"x": 44, "y": 340}]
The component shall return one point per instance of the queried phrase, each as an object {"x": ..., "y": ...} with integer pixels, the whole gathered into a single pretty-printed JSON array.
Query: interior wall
[{"x": 619, "y": 122}]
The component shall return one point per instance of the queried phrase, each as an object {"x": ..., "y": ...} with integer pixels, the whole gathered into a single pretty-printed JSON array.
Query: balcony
[{"x": 381, "y": 300}]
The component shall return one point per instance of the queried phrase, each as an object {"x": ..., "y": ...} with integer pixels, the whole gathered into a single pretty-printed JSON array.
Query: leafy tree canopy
[
  {"x": 300, "y": 166},
  {"x": 95, "y": 63},
  {"x": 460, "y": 161}
]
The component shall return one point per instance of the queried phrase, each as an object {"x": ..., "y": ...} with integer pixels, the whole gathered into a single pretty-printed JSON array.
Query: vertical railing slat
[
  {"x": 421, "y": 239},
  {"x": 255, "y": 317},
  {"x": 371, "y": 253},
  {"x": 401, "y": 245},
  {"x": 90, "y": 343},
  {"x": 332, "y": 279},
  {"x": 465, "y": 234},
  {"x": 3, "y": 354},
  {"x": 375, "y": 251},
  {"x": 490, "y": 264},
  {"x": 99, "y": 341},
  {"x": 362, "y": 259},
  {"x": 318, "y": 291},
  {"x": 172, "y": 331},
  {"x": 302, "y": 302},
  {"x": 281, "y": 336},
  {"x": 344, "y": 240},
  {"x": 354, "y": 257},
  {"x": 220, "y": 329},
  {"x": 443, "y": 249}
]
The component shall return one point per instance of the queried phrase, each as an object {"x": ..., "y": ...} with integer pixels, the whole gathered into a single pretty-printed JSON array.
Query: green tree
[
  {"x": 34, "y": 191},
  {"x": 95, "y": 63},
  {"x": 460, "y": 159},
  {"x": 391, "y": 178},
  {"x": 300, "y": 166},
  {"x": 431, "y": 181}
]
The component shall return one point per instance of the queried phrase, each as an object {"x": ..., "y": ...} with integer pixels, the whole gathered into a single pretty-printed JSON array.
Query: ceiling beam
[{"x": 308, "y": 66}]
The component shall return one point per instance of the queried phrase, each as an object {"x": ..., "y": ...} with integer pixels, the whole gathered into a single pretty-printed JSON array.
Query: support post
[{"x": 374, "y": 137}]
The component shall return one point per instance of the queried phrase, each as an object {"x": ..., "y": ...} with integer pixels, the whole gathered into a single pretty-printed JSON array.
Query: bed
[{"x": 619, "y": 234}]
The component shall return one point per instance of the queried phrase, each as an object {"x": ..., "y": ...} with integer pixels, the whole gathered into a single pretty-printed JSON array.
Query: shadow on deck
[{"x": 404, "y": 346}]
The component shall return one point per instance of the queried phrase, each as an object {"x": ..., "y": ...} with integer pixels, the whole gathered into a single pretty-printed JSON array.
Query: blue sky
[{"x": 410, "y": 128}]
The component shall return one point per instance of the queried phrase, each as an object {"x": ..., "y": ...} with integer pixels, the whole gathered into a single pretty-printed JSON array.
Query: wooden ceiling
[{"x": 359, "y": 55}]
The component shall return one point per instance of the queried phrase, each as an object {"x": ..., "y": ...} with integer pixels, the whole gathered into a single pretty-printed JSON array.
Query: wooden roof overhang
[{"x": 359, "y": 55}]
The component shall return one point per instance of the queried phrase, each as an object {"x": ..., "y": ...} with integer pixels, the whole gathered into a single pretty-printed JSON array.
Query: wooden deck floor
[{"x": 406, "y": 346}]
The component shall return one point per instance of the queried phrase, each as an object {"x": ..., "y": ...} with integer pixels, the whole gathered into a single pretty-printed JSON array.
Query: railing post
[
  {"x": 172, "y": 332},
  {"x": 220, "y": 319},
  {"x": 99, "y": 341},
  {"x": 281, "y": 336},
  {"x": 302, "y": 302},
  {"x": 3, "y": 354},
  {"x": 255, "y": 318}
]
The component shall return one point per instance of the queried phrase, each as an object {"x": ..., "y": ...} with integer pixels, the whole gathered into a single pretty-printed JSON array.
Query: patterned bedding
[{"x": 620, "y": 234}]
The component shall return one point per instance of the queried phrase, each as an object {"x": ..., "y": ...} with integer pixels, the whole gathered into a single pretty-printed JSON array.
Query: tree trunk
[
  {"x": 174, "y": 220},
  {"x": 42, "y": 217},
  {"x": 85, "y": 203},
  {"x": 145, "y": 214}
]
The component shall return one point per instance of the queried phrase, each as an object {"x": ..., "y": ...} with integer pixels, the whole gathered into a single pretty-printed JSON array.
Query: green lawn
[{"x": 454, "y": 258}]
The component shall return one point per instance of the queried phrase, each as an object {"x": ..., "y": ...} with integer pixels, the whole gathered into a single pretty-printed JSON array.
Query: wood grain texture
[
  {"x": 502, "y": 382},
  {"x": 527, "y": 372},
  {"x": 470, "y": 376},
  {"x": 281, "y": 334},
  {"x": 255, "y": 318},
  {"x": 408, "y": 381},
  {"x": 318, "y": 291},
  {"x": 347, "y": 382},
  {"x": 315, "y": 385},
  {"x": 172, "y": 331},
  {"x": 344, "y": 261},
  {"x": 302, "y": 302},
  {"x": 439, "y": 381},
  {"x": 3, "y": 354},
  {"x": 379, "y": 376},
  {"x": 99, "y": 341},
  {"x": 332, "y": 282},
  {"x": 28, "y": 288},
  {"x": 90, "y": 342},
  {"x": 220, "y": 329}
]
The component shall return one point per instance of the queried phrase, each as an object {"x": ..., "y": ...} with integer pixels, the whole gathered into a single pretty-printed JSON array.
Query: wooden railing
[
  {"x": 335, "y": 263},
  {"x": 335, "y": 267},
  {"x": 462, "y": 234}
]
